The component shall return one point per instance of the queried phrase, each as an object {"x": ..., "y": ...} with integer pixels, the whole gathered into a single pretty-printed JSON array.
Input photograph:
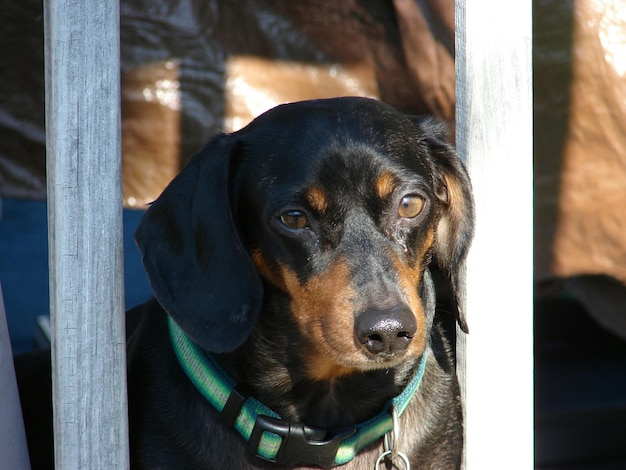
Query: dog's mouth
[{"x": 322, "y": 367}]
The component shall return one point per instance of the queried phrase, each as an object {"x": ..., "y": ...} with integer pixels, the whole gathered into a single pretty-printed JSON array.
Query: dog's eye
[
  {"x": 295, "y": 220},
  {"x": 410, "y": 206}
]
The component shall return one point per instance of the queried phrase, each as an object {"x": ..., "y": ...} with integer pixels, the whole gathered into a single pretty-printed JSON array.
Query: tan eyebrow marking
[
  {"x": 317, "y": 199},
  {"x": 385, "y": 184}
]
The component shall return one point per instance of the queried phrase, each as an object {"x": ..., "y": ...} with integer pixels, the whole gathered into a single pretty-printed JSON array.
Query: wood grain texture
[
  {"x": 85, "y": 233},
  {"x": 494, "y": 137}
]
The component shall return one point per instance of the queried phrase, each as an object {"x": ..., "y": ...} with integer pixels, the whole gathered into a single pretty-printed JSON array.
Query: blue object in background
[{"x": 24, "y": 267}]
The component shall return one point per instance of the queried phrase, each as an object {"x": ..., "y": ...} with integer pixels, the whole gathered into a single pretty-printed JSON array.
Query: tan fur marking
[
  {"x": 324, "y": 313},
  {"x": 426, "y": 244},
  {"x": 310, "y": 302},
  {"x": 409, "y": 280},
  {"x": 317, "y": 199},
  {"x": 322, "y": 368},
  {"x": 385, "y": 184},
  {"x": 456, "y": 201},
  {"x": 266, "y": 270},
  {"x": 452, "y": 222}
]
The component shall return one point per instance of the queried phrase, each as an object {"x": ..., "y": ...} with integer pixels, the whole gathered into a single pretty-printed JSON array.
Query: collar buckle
[{"x": 304, "y": 445}]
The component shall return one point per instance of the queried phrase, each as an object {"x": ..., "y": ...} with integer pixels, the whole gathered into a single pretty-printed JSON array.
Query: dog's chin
[
  {"x": 324, "y": 367},
  {"x": 386, "y": 362}
]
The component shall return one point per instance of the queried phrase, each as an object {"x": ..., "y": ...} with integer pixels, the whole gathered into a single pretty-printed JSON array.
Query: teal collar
[{"x": 268, "y": 436}]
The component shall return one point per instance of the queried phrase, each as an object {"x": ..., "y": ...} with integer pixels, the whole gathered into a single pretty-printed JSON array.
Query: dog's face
[
  {"x": 342, "y": 217},
  {"x": 339, "y": 205}
]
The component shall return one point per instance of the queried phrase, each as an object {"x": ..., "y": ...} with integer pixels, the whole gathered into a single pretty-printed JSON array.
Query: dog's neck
[
  {"x": 268, "y": 365},
  {"x": 291, "y": 442}
]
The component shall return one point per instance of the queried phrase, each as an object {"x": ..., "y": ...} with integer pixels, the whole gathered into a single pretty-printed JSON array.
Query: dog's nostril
[
  {"x": 385, "y": 332},
  {"x": 375, "y": 338}
]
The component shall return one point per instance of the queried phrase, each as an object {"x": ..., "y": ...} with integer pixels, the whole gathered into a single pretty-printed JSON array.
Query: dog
[{"x": 305, "y": 271}]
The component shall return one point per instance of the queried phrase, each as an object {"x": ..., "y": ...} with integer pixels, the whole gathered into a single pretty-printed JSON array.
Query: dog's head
[{"x": 340, "y": 205}]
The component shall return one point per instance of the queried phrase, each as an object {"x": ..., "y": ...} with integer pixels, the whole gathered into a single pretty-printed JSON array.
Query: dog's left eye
[
  {"x": 295, "y": 220},
  {"x": 410, "y": 206}
]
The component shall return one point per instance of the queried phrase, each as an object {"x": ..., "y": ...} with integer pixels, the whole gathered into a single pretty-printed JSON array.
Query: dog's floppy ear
[
  {"x": 197, "y": 266},
  {"x": 456, "y": 224}
]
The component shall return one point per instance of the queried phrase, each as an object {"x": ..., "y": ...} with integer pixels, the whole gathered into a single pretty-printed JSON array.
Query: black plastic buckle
[{"x": 301, "y": 445}]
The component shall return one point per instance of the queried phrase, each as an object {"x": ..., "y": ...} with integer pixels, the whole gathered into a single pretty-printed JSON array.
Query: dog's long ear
[
  {"x": 197, "y": 266},
  {"x": 456, "y": 224}
]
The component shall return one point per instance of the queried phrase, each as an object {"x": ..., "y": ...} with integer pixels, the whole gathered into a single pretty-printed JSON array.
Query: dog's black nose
[{"x": 385, "y": 332}]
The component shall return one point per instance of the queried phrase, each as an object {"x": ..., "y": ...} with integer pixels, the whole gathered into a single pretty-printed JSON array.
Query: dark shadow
[
  {"x": 580, "y": 382},
  {"x": 22, "y": 135},
  {"x": 552, "y": 76}
]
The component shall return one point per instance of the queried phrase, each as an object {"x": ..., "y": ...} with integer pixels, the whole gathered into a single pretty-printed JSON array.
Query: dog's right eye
[
  {"x": 295, "y": 220},
  {"x": 410, "y": 206}
]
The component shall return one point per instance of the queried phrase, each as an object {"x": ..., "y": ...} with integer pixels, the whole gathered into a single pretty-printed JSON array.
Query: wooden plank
[
  {"x": 85, "y": 233},
  {"x": 13, "y": 448},
  {"x": 494, "y": 136}
]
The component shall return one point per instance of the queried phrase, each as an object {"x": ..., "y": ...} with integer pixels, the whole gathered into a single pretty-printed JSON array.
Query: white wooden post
[
  {"x": 494, "y": 136},
  {"x": 85, "y": 233}
]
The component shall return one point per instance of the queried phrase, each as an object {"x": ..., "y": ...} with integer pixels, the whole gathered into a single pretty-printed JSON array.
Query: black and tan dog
[{"x": 295, "y": 321}]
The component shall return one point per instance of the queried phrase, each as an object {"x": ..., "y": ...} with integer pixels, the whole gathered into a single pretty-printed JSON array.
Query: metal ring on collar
[
  {"x": 387, "y": 455},
  {"x": 392, "y": 438},
  {"x": 390, "y": 443}
]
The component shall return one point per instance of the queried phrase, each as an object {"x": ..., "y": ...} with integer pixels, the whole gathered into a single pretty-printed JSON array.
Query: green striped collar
[{"x": 268, "y": 436}]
